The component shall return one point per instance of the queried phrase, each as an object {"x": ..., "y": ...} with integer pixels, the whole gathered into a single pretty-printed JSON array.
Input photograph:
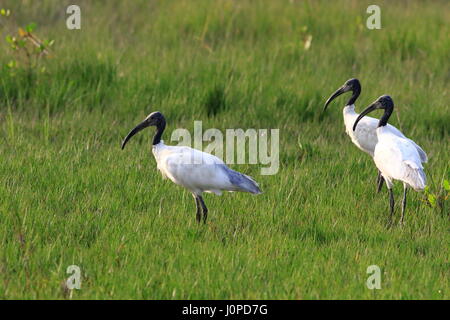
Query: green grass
[{"x": 69, "y": 195}]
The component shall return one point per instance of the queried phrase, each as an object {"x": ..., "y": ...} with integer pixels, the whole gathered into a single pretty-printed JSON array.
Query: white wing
[
  {"x": 397, "y": 158},
  {"x": 199, "y": 171},
  {"x": 423, "y": 156}
]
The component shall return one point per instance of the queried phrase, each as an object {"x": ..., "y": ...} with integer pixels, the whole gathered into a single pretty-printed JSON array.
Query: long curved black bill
[
  {"x": 138, "y": 128},
  {"x": 336, "y": 94},
  {"x": 369, "y": 109}
]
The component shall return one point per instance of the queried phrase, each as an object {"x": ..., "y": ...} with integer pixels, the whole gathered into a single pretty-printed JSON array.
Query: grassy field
[{"x": 69, "y": 195}]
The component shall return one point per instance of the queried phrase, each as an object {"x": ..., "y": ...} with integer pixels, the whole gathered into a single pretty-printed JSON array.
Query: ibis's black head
[
  {"x": 153, "y": 119},
  {"x": 352, "y": 85},
  {"x": 384, "y": 102}
]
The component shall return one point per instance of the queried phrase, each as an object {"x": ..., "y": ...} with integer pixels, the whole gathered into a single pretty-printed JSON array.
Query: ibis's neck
[
  {"x": 159, "y": 131},
  {"x": 355, "y": 94},
  {"x": 386, "y": 115},
  {"x": 349, "y": 109}
]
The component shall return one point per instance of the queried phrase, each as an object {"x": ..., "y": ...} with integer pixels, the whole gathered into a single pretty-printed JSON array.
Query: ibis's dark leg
[
  {"x": 391, "y": 204},
  {"x": 205, "y": 209},
  {"x": 405, "y": 189},
  {"x": 380, "y": 181},
  {"x": 199, "y": 212}
]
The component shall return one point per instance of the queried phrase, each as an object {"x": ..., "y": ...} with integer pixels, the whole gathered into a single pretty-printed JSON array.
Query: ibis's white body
[
  {"x": 397, "y": 158},
  {"x": 365, "y": 135},
  {"x": 200, "y": 172}
]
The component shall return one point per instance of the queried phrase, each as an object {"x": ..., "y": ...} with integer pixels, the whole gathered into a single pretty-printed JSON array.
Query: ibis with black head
[
  {"x": 195, "y": 170},
  {"x": 395, "y": 156},
  {"x": 365, "y": 136}
]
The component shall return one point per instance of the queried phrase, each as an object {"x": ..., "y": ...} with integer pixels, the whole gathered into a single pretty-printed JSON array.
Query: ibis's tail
[
  {"x": 415, "y": 176},
  {"x": 241, "y": 181},
  {"x": 422, "y": 154}
]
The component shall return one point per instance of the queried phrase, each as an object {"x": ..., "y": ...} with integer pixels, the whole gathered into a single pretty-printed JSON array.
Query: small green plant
[
  {"x": 437, "y": 200},
  {"x": 27, "y": 49}
]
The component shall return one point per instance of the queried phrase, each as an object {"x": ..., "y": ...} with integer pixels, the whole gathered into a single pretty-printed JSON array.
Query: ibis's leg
[
  {"x": 205, "y": 209},
  {"x": 199, "y": 212},
  {"x": 405, "y": 189},
  {"x": 380, "y": 181},
  {"x": 391, "y": 204}
]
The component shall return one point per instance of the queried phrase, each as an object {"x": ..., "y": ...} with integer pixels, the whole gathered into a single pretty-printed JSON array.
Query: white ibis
[
  {"x": 195, "y": 170},
  {"x": 365, "y": 137},
  {"x": 396, "y": 157}
]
